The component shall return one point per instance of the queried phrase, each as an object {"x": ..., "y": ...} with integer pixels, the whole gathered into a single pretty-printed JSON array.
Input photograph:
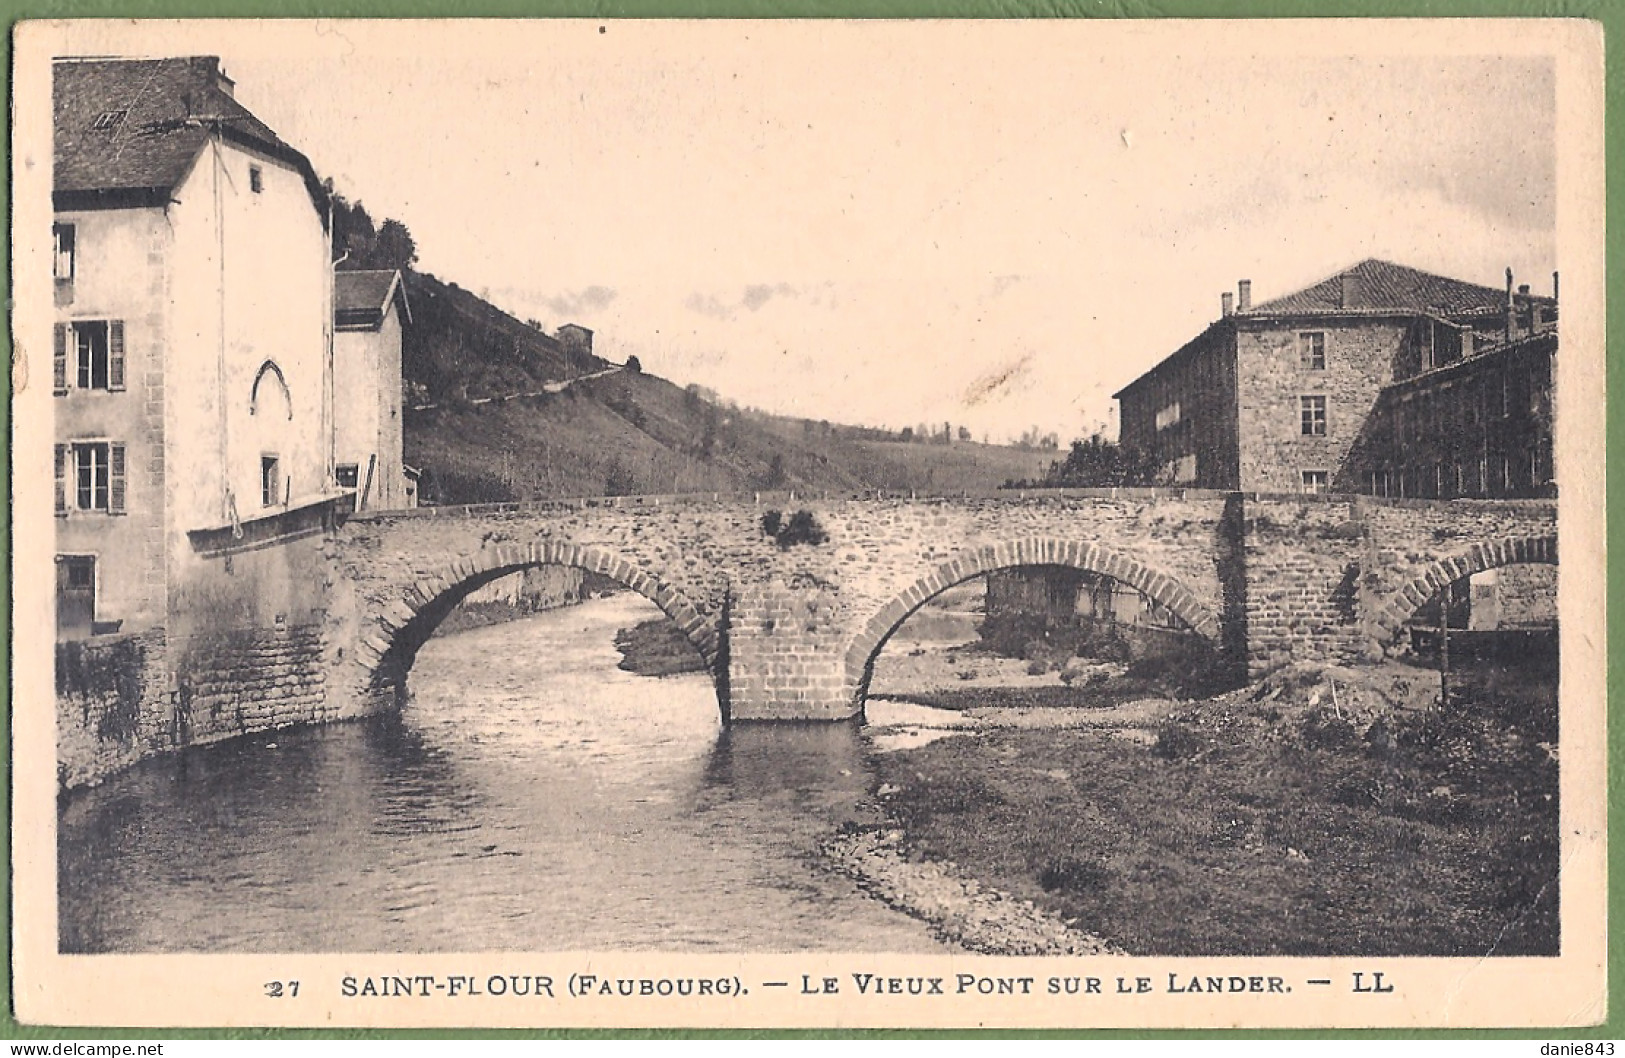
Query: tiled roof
[
  {"x": 1379, "y": 285},
  {"x": 361, "y": 297},
  {"x": 135, "y": 125}
]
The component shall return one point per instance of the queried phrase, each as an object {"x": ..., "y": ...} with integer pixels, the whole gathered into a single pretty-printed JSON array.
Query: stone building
[
  {"x": 1281, "y": 396},
  {"x": 192, "y": 361},
  {"x": 369, "y": 310}
]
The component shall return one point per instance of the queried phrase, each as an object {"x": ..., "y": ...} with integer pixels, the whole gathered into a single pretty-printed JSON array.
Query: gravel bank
[{"x": 960, "y": 910}]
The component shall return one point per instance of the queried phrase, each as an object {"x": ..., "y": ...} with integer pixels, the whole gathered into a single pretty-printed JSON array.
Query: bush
[
  {"x": 1175, "y": 741},
  {"x": 1074, "y": 876},
  {"x": 1324, "y": 730},
  {"x": 800, "y": 528}
]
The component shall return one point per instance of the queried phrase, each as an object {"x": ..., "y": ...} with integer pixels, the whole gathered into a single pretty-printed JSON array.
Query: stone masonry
[
  {"x": 787, "y": 633},
  {"x": 791, "y": 633}
]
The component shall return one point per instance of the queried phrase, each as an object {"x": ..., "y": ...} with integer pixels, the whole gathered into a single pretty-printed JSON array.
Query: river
[{"x": 530, "y": 797}]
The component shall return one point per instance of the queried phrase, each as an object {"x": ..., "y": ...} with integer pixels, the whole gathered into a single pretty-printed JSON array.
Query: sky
[{"x": 993, "y": 224}]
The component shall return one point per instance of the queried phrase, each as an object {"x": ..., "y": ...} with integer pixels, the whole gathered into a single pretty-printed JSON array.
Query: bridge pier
[{"x": 784, "y": 658}]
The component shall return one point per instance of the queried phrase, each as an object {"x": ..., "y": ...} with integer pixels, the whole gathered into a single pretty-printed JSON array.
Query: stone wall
[
  {"x": 1271, "y": 380},
  {"x": 113, "y": 705},
  {"x": 121, "y": 699},
  {"x": 238, "y": 682},
  {"x": 1526, "y": 596},
  {"x": 1333, "y": 578}
]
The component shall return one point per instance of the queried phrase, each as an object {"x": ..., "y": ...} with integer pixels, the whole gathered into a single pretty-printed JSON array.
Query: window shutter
[
  {"x": 62, "y": 479},
  {"x": 115, "y": 354},
  {"x": 115, "y": 479},
  {"x": 59, "y": 361}
]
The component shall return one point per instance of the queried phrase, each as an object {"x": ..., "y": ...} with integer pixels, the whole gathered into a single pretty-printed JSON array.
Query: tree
[
  {"x": 394, "y": 247},
  {"x": 359, "y": 244},
  {"x": 708, "y": 433},
  {"x": 775, "y": 473},
  {"x": 634, "y": 365},
  {"x": 1099, "y": 463}
]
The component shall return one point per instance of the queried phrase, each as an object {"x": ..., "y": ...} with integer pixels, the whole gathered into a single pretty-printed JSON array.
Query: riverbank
[
  {"x": 656, "y": 647},
  {"x": 958, "y": 909},
  {"x": 1323, "y": 811}
]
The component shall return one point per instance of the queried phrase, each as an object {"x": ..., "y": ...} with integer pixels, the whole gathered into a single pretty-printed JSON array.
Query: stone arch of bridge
[
  {"x": 1486, "y": 555},
  {"x": 409, "y": 623},
  {"x": 1089, "y": 557}
]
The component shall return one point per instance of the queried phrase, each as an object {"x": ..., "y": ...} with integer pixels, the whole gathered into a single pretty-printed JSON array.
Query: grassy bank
[
  {"x": 1312, "y": 815},
  {"x": 656, "y": 647}
]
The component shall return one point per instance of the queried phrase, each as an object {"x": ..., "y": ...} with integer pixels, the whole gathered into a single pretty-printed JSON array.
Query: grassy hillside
[
  {"x": 627, "y": 432},
  {"x": 459, "y": 345}
]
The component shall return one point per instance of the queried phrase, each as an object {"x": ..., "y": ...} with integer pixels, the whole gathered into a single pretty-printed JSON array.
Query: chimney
[
  {"x": 207, "y": 69},
  {"x": 1348, "y": 290},
  {"x": 1523, "y": 288},
  {"x": 1510, "y": 310},
  {"x": 1225, "y": 306},
  {"x": 1244, "y": 295},
  {"x": 1554, "y": 286}
]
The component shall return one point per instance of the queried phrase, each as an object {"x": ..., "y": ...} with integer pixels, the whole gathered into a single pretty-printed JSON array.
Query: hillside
[
  {"x": 626, "y": 432},
  {"x": 461, "y": 345}
]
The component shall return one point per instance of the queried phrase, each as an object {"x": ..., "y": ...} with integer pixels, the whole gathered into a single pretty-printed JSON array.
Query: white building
[
  {"x": 193, "y": 361},
  {"x": 369, "y": 310}
]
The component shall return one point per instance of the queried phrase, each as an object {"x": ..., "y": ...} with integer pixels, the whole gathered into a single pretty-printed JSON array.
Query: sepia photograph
[{"x": 753, "y": 523}]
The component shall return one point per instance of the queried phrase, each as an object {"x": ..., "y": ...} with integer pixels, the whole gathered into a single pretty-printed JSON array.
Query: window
[
  {"x": 90, "y": 355},
  {"x": 1312, "y": 350},
  {"x": 270, "y": 481},
  {"x": 256, "y": 179},
  {"x": 62, "y": 236},
  {"x": 78, "y": 571},
  {"x": 1315, "y": 482},
  {"x": 1168, "y": 416},
  {"x": 95, "y": 349},
  {"x": 1313, "y": 411},
  {"x": 90, "y": 477},
  {"x": 346, "y": 475}
]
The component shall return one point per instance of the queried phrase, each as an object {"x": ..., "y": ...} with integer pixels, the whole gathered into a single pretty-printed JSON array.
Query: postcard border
[{"x": 1612, "y": 20}]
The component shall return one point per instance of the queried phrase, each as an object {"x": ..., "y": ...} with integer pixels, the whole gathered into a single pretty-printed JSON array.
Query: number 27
[{"x": 274, "y": 989}]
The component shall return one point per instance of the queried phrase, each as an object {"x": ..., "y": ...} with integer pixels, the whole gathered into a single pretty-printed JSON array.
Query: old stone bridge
[{"x": 791, "y": 633}]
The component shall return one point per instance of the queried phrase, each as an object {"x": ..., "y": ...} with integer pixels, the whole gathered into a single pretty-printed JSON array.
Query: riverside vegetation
[{"x": 1322, "y": 811}]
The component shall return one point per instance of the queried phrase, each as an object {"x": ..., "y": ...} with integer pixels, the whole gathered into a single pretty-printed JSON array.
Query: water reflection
[{"x": 531, "y": 797}]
